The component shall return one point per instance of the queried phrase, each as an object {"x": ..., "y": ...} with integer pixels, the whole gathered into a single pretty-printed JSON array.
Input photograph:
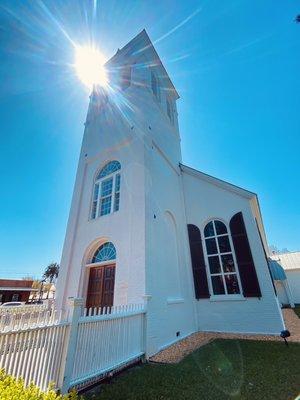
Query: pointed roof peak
[{"x": 141, "y": 44}]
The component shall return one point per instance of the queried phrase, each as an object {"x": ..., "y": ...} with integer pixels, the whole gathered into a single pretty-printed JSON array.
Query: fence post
[
  {"x": 76, "y": 309},
  {"x": 147, "y": 298}
]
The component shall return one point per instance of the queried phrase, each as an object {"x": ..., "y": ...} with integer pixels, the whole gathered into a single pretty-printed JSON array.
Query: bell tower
[{"x": 126, "y": 239}]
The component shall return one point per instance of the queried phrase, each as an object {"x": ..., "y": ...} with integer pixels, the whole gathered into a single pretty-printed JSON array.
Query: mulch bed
[{"x": 176, "y": 352}]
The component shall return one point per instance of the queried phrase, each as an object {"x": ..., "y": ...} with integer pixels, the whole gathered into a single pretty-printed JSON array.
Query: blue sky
[{"x": 235, "y": 64}]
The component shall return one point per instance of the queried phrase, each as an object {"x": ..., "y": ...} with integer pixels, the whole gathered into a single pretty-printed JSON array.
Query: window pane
[
  {"x": 106, "y": 187},
  {"x": 105, "y": 252},
  {"x": 232, "y": 284},
  {"x": 109, "y": 168},
  {"x": 117, "y": 202},
  {"x": 15, "y": 297},
  {"x": 227, "y": 262},
  {"x": 217, "y": 284},
  {"x": 96, "y": 191},
  {"x": 224, "y": 244},
  {"x": 105, "y": 205},
  {"x": 211, "y": 246},
  {"x": 94, "y": 209},
  {"x": 220, "y": 228},
  {"x": 209, "y": 230},
  {"x": 214, "y": 265},
  {"x": 117, "y": 184}
]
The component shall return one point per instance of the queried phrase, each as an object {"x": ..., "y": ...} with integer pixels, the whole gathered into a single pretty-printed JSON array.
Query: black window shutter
[
  {"x": 266, "y": 257},
  {"x": 198, "y": 263},
  {"x": 244, "y": 256}
]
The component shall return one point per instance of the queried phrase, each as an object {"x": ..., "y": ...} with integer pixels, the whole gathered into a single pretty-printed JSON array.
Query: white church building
[{"x": 144, "y": 227}]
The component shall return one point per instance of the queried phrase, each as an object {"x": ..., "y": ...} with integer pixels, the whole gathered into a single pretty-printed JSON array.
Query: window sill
[
  {"x": 227, "y": 298},
  {"x": 175, "y": 301},
  {"x": 103, "y": 216}
]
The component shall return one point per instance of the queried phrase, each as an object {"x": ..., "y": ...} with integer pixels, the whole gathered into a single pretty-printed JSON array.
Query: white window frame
[
  {"x": 226, "y": 296},
  {"x": 112, "y": 176}
]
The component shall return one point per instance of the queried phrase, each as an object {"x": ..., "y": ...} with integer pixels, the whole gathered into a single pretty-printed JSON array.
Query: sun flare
[{"x": 89, "y": 66}]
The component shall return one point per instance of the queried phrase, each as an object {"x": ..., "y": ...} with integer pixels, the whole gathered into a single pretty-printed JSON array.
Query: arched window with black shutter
[
  {"x": 244, "y": 257},
  {"x": 222, "y": 268},
  {"x": 198, "y": 263}
]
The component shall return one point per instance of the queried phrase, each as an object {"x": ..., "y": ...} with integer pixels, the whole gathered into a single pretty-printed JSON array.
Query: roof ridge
[
  {"x": 286, "y": 253},
  {"x": 218, "y": 179}
]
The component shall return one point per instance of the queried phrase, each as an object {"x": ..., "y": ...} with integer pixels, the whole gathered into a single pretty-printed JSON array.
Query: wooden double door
[{"x": 101, "y": 286}]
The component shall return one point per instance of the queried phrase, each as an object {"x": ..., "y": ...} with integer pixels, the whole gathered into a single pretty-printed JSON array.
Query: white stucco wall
[
  {"x": 108, "y": 137},
  {"x": 206, "y": 201},
  {"x": 293, "y": 277},
  {"x": 168, "y": 276}
]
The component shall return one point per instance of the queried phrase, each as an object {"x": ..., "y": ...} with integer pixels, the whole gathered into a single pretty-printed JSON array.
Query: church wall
[
  {"x": 106, "y": 138},
  {"x": 205, "y": 201},
  {"x": 171, "y": 315},
  {"x": 293, "y": 277}
]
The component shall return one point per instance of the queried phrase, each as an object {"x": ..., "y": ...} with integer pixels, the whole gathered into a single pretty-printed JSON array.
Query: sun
[{"x": 89, "y": 66}]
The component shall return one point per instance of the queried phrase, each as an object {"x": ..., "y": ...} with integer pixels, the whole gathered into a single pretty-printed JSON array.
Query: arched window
[
  {"x": 106, "y": 196},
  {"x": 221, "y": 264},
  {"x": 105, "y": 252}
]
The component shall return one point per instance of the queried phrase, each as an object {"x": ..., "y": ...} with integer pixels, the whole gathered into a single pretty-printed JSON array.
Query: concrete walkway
[{"x": 179, "y": 350}]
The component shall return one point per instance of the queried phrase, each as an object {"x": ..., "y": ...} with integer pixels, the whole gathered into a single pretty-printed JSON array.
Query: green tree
[
  {"x": 50, "y": 275},
  {"x": 51, "y": 272}
]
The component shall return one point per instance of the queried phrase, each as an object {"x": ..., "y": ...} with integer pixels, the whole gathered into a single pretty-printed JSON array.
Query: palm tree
[{"x": 50, "y": 274}]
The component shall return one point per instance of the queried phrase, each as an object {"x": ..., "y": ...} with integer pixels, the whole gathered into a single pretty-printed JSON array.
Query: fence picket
[{"x": 38, "y": 345}]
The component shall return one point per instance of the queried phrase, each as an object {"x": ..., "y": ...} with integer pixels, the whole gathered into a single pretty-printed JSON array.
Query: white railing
[
  {"x": 73, "y": 352},
  {"x": 107, "y": 341}
]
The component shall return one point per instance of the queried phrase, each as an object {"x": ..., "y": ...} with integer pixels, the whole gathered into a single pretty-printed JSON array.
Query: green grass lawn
[
  {"x": 223, "y": 369},
  {"x": 297, "y": 310}
]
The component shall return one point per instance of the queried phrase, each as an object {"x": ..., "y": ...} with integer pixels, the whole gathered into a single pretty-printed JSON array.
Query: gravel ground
[{"x": 179, "y": 350}]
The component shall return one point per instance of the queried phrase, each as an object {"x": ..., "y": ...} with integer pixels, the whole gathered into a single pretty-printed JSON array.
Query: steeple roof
[{"x": 142, "y": 45}]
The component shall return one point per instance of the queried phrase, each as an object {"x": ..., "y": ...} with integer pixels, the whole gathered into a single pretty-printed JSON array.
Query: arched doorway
[{"x": 100, "y": 292}]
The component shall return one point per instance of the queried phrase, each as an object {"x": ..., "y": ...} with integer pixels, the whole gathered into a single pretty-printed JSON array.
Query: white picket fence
[
  {"x": 74, "y": 352},
  {"x": 35, "y": 354},
  {"x": 108, "y": 341},
  {"x": 26, "y": 308},
  {"x": 27, "y": 319}
]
